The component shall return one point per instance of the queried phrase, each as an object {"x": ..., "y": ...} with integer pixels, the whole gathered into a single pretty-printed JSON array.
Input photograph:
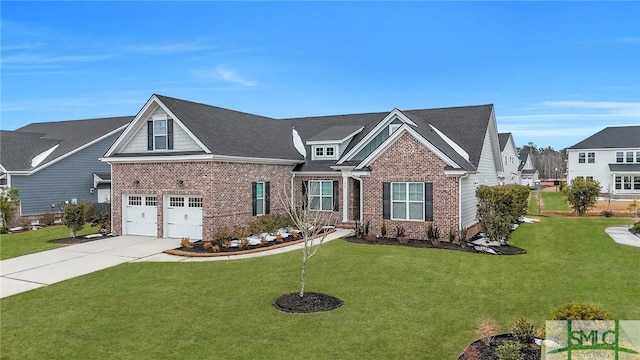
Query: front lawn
[
  {"x": 399, "y": 303},
  {"x": 27, "y": 242}
]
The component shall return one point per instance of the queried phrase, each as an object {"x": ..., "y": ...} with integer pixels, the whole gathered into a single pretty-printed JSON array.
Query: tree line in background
[{"x": 550, "y": 163}]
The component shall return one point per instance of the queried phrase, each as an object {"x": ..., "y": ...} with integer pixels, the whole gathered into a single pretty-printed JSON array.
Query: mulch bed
[
  {"x": 76, "y": 240},
  {"x": 309, "y": 303},
  {"x": 415, "y": 243},
  {"x": 488, "y": 351}
]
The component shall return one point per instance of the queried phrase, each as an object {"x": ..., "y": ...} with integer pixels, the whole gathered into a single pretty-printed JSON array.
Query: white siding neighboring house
[
  {"x": 612, "y": 157},
  {"x": 529, "y": 176},
  {"x": 510, "y": 159}
]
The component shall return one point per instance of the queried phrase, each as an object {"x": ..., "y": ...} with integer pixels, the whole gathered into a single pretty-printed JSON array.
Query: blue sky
[{"x": 556, "y": 72}]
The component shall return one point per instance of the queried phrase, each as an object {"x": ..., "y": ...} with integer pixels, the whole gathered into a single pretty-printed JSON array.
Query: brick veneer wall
[
  {"x": 225, "y": 189},
  {"x": 409, "y": 160}
]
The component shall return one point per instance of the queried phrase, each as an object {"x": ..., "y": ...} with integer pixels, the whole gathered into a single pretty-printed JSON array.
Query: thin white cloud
[
  {"x": 225, "y": 74},
  {"x": 25, "y": 58},
  {"x": 169, "y": 48}
]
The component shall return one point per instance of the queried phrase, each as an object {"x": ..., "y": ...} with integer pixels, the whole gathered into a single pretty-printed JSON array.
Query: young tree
[
  {"x": 73, "y": 217},
  {"x": 8, "y": 204},
  {"x": 311, "y": 224},
  {"x": 582, "y": 194}
]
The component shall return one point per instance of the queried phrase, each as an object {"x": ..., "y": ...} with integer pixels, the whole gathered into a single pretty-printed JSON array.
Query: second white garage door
[{"x": 183, "y": 217}]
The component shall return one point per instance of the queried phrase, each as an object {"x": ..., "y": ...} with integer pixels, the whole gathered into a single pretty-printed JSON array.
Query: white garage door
[
  {"x": 140, "y": 215},
  {"x": 183, "y": 217}
]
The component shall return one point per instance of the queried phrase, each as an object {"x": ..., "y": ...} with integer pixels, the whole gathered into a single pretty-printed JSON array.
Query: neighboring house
[
  {"x": 529, "y": 175},
  {"x": 54, "y": 162},
  {"x": 184, "y": 169},
  {"x": 510, "y": 160},
  {"x": 612, "y": 157}
]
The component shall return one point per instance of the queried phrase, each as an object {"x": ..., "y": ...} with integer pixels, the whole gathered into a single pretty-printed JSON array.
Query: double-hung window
[
  {"x": 581, "y": 158},
  {"x": 260, "y": 197},
  {"x": 619, "y": 156},
  {"x": 629, "y": 156},
  {"x": 591, "y": 158},
  {"x": 320, "y": 195},
  {"x": 407, "y": 201},
  {"x": 159, "y": 134}
]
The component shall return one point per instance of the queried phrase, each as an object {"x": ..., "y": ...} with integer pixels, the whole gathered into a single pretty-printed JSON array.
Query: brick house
[{"x": 186, "y": 169}]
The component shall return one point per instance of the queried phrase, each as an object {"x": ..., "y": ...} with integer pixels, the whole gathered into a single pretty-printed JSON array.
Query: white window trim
[
  {"x": 407, "y": 201},
  {"x": 156, "y": 119},
  {"x": 260, "y": 199},
  {"x": 320, "y": 196},
  {"x": 324, "y": 155},
  {"x": 393, "y": 127}
]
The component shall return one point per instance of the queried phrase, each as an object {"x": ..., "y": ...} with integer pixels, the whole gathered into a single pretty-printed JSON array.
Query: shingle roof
[
  {"x": 234, "y": 133},
  {"x": 502, "y": 139},
  {"x": 612, "y": 137},
  {"x": 523, "y": 160},
  {"x": 19, "y": 147},
  {"x": 335, "y": 133},
  {"x": 624, "y": 167}
]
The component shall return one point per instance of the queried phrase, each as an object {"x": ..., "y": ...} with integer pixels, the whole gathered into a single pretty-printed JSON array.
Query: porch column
[{"x": 345, "y": 196}]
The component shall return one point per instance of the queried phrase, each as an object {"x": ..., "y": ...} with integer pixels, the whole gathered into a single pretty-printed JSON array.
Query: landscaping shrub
[
  {"x": 636, "y": 227},
  {"x": 582, "y": 194},
  {"x": 509, "y": 350},
  {"x": 73, "y": 218},
  {"x": 48, "y": 219},
  {"x": 523, "y": 330},
  {"x": 8, "y": 204},
  {"x": 4, "y": 230},
  {"x": 574, "y": 311},
  {"x": 499, "y": 207},
  {"x": 222, "y": 233},
  {"x": 606, "y": 213},
  {"x": 471, "y": 353},
  {"x": 269, "y": 223},
  {"x": 487, "y": 330}
]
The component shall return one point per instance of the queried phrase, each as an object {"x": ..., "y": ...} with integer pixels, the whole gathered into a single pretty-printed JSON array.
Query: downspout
[
  {"x": 293, "y": 174},
  {"x": 357, "y": 177},
  {"x": 466, "y": 175}
]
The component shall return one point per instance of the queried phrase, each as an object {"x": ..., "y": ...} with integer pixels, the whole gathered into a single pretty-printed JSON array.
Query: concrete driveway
[
  {"x": 36, "y": 270},
  {"x": 44, "y": 268}
]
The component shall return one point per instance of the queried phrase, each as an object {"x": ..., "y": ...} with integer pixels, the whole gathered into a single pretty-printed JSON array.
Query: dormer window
[
  {"x": 160, "y": 133},
  {"x": 324, "y": 152}
]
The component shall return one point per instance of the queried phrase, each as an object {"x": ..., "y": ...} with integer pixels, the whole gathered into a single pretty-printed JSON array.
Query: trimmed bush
[
  {"x": 524, "y": 331},
  {"x": 499, "y": 207},
  {"x": 509, "y": 350},
  {"x": 573, "y": 311}
]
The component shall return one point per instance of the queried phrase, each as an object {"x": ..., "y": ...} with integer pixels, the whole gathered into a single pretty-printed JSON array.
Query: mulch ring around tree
[
  {"x": 487, "y": 348},
  {"x": 415, "y": 243},
  {"x": 309, "y": 303}
]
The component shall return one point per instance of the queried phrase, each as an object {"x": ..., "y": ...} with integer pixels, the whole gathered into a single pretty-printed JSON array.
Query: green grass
[
  {"x": 551, "y": 200},
  {"x": 399, "y": 303},
  {"x": 18, "y": 244}
]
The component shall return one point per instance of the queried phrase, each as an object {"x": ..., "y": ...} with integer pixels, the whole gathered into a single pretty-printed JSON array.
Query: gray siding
[
  {"x": 181, "y": 140},
  {"x": 70, "y": 178}
]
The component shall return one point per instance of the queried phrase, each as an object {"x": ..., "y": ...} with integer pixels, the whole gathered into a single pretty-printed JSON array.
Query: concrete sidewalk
[
  {"x": 36, "y": 270},
  {"x": 621, "y": 235}
]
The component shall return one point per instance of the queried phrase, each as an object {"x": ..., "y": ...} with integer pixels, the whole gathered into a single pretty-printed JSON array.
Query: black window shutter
[
  {"x": 267, "y": 197},
  {"x": 305, "y": 185},
  {"x": 254, "y": 199},
  {"x": 428, "y": 201},
  {"x": 386, "y": 200},
  {"x": 336, "y": 196},
  {"x": 170, "y": 134},
  {"x": 149, "y": 135}
]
